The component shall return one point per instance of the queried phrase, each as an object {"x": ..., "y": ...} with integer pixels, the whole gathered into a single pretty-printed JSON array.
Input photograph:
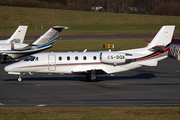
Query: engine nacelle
[
  {"x": 12, "y": 46},
  {"x": 7, "y": 46},
  {"x": 113, "y": 57}
]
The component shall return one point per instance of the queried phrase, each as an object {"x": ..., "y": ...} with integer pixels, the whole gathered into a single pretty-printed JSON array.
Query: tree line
[{"x": 159, "y": 7}]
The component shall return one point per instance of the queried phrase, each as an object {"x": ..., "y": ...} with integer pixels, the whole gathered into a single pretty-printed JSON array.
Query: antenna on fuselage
[{"x": 85, "y": 50}]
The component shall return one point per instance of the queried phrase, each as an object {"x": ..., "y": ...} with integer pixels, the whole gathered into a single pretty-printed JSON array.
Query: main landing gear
[
  {"x": 92, "y": 76},
  {"x": 3, "y": 59}
]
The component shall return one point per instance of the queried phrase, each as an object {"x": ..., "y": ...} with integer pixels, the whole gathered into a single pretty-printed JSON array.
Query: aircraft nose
[{"x": 8, "y": 68}]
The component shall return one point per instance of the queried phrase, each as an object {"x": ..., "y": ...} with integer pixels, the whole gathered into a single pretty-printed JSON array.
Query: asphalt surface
[{"x": 145, "y": 86}]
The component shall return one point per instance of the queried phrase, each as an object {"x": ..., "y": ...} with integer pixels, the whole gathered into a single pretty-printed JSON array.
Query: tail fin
[
  {"x": 159, "y": 47},
  {"x": 48, "y": 37},
  {"x": 19, "y": 34},
  {"x": 163, "y": 37}
]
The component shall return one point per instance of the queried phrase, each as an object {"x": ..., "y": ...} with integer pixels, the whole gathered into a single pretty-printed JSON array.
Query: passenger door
[{"x": 52, "y": 62}]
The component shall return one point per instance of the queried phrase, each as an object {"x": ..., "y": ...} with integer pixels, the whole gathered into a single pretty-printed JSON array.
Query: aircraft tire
[
  {"x": 19, "y": 79},
  {"x": 90, "y": 79},
  {"x": 3, "y": 59}
]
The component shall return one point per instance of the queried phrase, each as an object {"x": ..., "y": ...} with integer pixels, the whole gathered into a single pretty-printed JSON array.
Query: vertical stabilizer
[
  {"x": 163, "y": 37},
  {"x": 19, "y": 34},
  {"x": 49, "y": 36}
]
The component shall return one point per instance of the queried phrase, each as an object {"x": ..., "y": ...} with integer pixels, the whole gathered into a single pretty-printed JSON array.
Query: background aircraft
[
  {"x": 18, "y": 36},
  {"x": 91, "y": 64},
  {"x": 16, "y": 50}
]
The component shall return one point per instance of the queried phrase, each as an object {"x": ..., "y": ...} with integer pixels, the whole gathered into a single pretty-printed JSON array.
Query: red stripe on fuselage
[
  {"x": 154, "y": 55},
  {"x": 61, "y": 65}
]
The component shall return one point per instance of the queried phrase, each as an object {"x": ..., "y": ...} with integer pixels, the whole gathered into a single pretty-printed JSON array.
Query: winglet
[{"x": 59, "y": 28}]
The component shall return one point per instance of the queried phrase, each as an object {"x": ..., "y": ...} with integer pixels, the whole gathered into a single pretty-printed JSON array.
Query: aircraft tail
[
  {"x": 162, "y": 38},
  {"x": 19, "y": 34},
  {"x": 159, "y": 47},
  {"x": 49, "y": 37}
]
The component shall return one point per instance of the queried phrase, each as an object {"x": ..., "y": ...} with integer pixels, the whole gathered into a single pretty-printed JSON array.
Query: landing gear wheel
[
  {"x": 3, "y": 59},
  {"x": 94, "y": 80},
  {"x": 19, "y": 79}
]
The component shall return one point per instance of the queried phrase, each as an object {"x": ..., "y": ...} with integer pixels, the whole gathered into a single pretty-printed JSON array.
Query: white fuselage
[
  {"x": 77, "y": 62},
  {"x": 95, "y": 63}
]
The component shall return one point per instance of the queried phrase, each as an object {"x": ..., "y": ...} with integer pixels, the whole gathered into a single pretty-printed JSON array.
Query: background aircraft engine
[
  {"x": 5, "y": 47},
  {"x": 113, "y": 57},
  {"x": 12, "y": 46}
]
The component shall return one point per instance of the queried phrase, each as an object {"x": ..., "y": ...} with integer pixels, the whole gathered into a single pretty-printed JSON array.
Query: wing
[{"x": 86, "y": 72}]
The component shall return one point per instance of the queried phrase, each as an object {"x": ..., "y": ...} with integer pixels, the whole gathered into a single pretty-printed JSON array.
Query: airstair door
[{"x": 52, "y": 62}]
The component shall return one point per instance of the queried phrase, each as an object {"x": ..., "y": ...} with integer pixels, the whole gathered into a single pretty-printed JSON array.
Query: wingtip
[{"x": 62, "y": 27}]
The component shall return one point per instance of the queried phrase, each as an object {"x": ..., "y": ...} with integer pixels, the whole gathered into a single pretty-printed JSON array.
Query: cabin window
[
  {"x": 32, "y": 59},
  {"x": 28, "y": 58},
  {"x": 76, "y": 58},
  {"x": 94, "y": 58},
  {"x": 68, "y": 58},
  {"x": 84, "y": 58},
  {"x": 60, "y": 58}
]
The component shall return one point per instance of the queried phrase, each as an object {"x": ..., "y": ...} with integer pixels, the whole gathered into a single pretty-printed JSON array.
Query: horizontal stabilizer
[
  {"x": 148, "y": 63},
  {"x": 158, "y": 48}
]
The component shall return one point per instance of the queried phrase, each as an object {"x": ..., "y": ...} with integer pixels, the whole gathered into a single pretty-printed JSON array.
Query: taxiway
[{"x": 145, "y": 86}]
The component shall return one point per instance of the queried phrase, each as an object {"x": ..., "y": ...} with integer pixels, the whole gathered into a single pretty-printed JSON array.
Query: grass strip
[
  {"x": 82, "y": 22},
  {"x": 86, "y": 113},
  {"x": 95, "y": 44}
]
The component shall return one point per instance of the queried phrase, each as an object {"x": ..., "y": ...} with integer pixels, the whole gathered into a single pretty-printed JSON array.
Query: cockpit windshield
[{"x": 31, "y": 58}]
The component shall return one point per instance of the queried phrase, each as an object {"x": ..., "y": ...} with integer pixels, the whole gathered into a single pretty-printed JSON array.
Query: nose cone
[{"x": 8, "y": 68}]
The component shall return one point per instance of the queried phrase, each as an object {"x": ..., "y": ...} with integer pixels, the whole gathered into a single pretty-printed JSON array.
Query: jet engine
[
  {"x": 12, "y": 46},
  {"x": 6, "y": 46}
]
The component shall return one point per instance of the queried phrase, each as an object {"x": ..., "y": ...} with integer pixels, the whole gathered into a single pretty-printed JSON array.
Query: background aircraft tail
[
  {"x": 45, "y": 41},
  {"x": 163, "y": 37},
  {"x": 19, "y": 34},
  {"x": 48, "y": 38}
]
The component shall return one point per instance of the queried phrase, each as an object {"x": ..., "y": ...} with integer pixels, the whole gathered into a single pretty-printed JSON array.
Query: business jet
[
  {"x": 92, "y": 64},
  {"x": 16, "y": 50},
  {"x": 18, "y": 36}
]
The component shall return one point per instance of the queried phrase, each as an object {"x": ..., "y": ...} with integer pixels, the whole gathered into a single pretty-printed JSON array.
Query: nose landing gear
[{"x": 20, "y": 77}]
